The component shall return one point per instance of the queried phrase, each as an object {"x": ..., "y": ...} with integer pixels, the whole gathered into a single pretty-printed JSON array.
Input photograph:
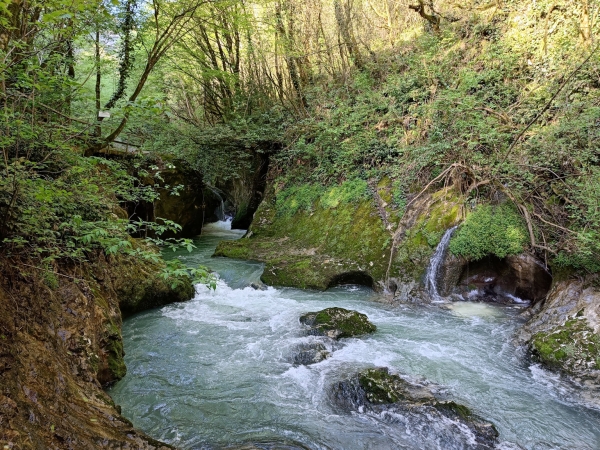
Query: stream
[{"x": 217, "y": 370}]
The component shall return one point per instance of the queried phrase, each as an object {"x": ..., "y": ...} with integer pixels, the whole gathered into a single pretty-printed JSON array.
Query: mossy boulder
[
  {"x": 378, "y": 390},
  {"x": 381, "y": 387},
  {"x": 572, "y": 347},
  {"x": 563, "y": 332},
  {"x": 314, "y": 237},
  {"x": 311, "y": 241},
  {"x": 337, "y": 323}
]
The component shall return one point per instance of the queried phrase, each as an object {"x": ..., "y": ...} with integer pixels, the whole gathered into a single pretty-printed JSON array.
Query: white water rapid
[{"x": 217, "y": 370}]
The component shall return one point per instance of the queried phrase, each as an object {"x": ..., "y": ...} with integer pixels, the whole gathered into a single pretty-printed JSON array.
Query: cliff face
[{"x": 60, "y": 342}]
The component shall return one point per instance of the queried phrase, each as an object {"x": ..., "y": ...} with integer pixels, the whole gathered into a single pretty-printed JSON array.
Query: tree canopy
[{"x": 498, "y": 98}]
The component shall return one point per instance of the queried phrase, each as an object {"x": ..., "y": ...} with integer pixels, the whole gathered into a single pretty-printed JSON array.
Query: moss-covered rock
[
  {"x": 379, "y": 390},
  {"x": 310, "y": 354},
  {"x": 313, "y": 249},
  {"x": 337, "y": 323},
  {"x": 564, "y": 330},
  {"x": 140, "y": 286},
  {"x": 572, "y": 347},
  {"x": 382, "y": 387}
]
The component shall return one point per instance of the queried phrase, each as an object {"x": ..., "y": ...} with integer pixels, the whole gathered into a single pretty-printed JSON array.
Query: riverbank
[{"x": 60, "y": 342}]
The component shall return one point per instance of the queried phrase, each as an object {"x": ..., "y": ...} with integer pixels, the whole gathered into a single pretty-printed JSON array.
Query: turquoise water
[{"x": 216, "y": 370}]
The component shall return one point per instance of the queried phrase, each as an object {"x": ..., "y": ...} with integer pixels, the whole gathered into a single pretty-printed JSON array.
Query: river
[{"x": 217, "y": 370}]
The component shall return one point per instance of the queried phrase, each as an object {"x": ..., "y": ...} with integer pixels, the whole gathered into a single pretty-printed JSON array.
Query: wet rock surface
[
  {"x": 563, "y": 332},
  {"x": 420, "y": 407},
  {"x": 337, "y": 323},
  {"x": 310, "y": 354},
  {"x": 258, "y": 286}
]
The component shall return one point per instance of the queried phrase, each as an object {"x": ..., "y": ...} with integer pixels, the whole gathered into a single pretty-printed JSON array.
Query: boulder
[
  {"x": 310, "y": 354},
  {"x": 563, "y": 332},
  {"x": 378, "y": 391},
  {"x": 337, "y": 323},
  {"x": 258, "y": 286}
]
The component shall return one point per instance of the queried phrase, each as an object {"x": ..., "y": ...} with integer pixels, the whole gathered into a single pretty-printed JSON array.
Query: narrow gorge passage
[{"x": 217, "y": 370}]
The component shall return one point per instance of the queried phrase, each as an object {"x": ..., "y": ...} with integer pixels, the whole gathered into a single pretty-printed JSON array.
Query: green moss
[
  {"x": 460, "y": 410},
  {"x": 233, "y": 249},
  {"x": 382, "y": 387},
  {"x": 308, "y": 249},
  {"x": 116, "y": 363},
  {"x": 338, "y": 323},
  {"x": 570, "y": 347},
  {"x": 304, "y": 197},
  {"x": 297, "y": 198},
  {"x": 490, "y": 230},
  {"x": 114, "y": 350},
  {"x": 304, "y": 272},
  {"x": 384, "y": 188}
]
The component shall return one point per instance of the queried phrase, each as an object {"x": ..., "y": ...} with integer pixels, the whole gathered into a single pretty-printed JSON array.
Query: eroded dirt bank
[{"x": 60, "y": 342}]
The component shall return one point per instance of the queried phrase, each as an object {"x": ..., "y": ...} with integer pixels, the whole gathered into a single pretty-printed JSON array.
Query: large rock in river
[
  {"x": 419, "y": 405},
  {"x": 564, "y": 330},
  {"x": 337, "y": 323},
  {"x": 310, "y": 354}
]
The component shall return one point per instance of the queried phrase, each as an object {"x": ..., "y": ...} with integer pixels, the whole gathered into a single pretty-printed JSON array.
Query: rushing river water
[{"x": 216, "y": 370}]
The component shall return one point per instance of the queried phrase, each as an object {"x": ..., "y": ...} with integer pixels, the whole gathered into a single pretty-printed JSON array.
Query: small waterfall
[{"x": 435, "y": 264}]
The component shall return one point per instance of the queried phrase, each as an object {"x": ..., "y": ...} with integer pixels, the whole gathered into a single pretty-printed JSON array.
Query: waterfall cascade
[{"x": 433, "y": 271}]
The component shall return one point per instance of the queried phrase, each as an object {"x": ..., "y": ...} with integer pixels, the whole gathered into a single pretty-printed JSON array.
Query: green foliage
[
  {"x": 351, "y": 191},
  {"x": 298, "y": 198},
  {"x": 175, "y": 272},
  {"x": 490, "y": 230}
]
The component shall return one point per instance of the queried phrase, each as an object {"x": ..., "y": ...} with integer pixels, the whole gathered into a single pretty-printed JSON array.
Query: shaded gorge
[{"x": 219, "y": 370}]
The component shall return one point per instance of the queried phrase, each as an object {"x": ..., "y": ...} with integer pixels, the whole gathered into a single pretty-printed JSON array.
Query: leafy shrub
[{"x": 490, "y": 230}]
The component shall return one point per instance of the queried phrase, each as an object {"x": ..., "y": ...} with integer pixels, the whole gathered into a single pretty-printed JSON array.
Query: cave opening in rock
[
  {"x": 511, "y": 279},
  {"x": 353, "y": 277}
]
